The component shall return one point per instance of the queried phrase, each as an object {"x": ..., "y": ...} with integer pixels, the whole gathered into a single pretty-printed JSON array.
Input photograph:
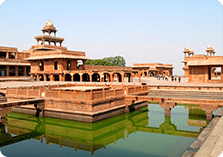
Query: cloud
[
  {"x": 221, "y": 1},
  {"x": 221, "y": 155},
  {"x": 1, "y": 1}
]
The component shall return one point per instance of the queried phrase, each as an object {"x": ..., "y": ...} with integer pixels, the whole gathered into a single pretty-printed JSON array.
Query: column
[
  {"x": 90, "y": 77},
  {"x": 221, "y": 73},
  {"x": 25, "y": 69},
  {"x": 131, "y": 78},
  {"x": 37, "y": 77},
  {"x": 16, "y": 71},
  {"x": 139, "y": 75},
  {"x": 51, "y": 78},
  {"x": 123, "y": 77},
  {"x": 60, "y": 77},
  {"x": 84, "y": 64},
  {"x": 44, "y": 77},
  {"x": 16, "y": 55},
  {"x": 7, "y": 70},
  {"x": 31, "y": 77},
  {"x": 72, "y": 77},
  {"x": 81, "y": 78}
]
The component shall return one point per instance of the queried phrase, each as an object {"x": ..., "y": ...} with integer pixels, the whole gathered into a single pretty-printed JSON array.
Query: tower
[{"x": 49, "y": 28}]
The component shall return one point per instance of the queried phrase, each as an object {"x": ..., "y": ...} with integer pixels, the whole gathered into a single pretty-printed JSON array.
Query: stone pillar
[
  {"x": 139, "y": 75},
  {"x": 7, "y": 55},
  {"x": 84, "y": 64},
  {"x": 221, "y": 73},
  {"x": 32, "y": 77},
  {"x": 44, "y": 77},
  {"x": 7, "y": 70},
  {"x": 60, "y": 77},
  {"x": 209, "y": 115},
  {"x": 123, "y": 77},
  {"x": 209, "y": 108},
  {"x": 167, "y": 112},
  {"x": 81, "y": 78},
  {"x": 37, "y": 77},
  {"x": 16, "y": 55},
  {"x": 16, "y": 71},
  {"x": 51, "y": 78},
  {"x": 25, "y": 69},
  {"x": 90, "y": 75},
  {"x": 72, "y": 77},
  {"x": 167, "y": 107}
]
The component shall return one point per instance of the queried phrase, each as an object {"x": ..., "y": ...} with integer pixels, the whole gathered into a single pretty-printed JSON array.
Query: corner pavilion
[{"x": 203, "y": 68}]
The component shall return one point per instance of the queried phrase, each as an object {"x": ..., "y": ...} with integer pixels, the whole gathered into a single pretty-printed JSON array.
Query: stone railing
[
  {"x": 135, "y": 89},
  {"x": 84, "y": 95},
  {"x": 24, "y": 92}
]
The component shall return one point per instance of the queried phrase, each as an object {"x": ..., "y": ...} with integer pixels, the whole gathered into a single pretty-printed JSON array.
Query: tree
[
  {"x": 116, "y": 61},
  {"x": 108, "y": 61}
]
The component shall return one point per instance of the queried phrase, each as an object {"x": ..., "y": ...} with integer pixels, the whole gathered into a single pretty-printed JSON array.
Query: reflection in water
[{"x": 94, "y": 136}]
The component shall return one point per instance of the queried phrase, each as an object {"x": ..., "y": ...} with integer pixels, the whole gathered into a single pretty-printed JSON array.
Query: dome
[
  {"x": 49, "y": 23},
  {"x": 191, "y": 51},
  {"x": 186, "y": 48}
]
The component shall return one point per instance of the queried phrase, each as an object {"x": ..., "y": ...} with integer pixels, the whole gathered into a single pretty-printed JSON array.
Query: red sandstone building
[
  {"x": 153, "y": 69},
  {"x": 12, "y": 63},
  {"x": 203, "y": 68},
  {"x": 50, "y": 61}
]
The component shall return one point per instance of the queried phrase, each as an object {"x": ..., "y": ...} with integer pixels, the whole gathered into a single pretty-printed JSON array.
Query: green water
[{"x": 144, "y": 132}]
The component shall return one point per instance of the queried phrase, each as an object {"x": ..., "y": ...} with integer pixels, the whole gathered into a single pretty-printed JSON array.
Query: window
[{"x": 55, "y": 65}]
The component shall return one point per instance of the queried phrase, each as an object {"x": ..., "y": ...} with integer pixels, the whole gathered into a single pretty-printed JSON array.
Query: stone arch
[
  {"x": 151, "y": 74},
  {"x": 12, "y": 71},
  {"x": 76, "y": 77},
  {"x": 95, "y": 77},
  {"x": 86, "y": 77},
  {"x": 117, "y": 77},
  {"x": 67, "y": 77},
  {"x": 56, "y": 77},
  {"x": 107, "y": 77}
]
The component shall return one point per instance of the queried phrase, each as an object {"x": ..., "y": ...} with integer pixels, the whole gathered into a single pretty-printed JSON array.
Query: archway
[
  {"x": 117, "y": 77},
  {"x": 151, "y": 74},
  {"x": 67, "y": 77},
  {"x": 107, "y": 77},
  {"x": 21, "y": 71},
  {"x": 11, "y": 71},
  {"x": 56, "y": 78},
  {"x": 76, "y": 77},
  {"x": 95, "y": 77},
  {"x": 86, "y": 77}
]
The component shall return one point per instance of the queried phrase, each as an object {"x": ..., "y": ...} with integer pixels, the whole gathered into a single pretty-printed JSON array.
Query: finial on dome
[
  {"x": 49, "y": 23},
  {"x": 186, "y": 48},
  {"x": 209, "y": 46}
]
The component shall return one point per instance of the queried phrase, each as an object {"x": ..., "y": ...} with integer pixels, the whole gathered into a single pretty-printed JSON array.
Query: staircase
[
  {"x": 187, "y": 94},
  {"x": 2, "y": 99}
]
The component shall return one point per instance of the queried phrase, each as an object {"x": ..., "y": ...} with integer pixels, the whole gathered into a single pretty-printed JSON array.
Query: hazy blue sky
[{"x": 142, "y": 31}]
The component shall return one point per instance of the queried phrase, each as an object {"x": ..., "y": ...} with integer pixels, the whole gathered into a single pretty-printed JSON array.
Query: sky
[{"x": 142, "y": 31}]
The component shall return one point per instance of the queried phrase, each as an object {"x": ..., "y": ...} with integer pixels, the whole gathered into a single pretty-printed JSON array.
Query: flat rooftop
[{"x": 82, "y": 88}]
